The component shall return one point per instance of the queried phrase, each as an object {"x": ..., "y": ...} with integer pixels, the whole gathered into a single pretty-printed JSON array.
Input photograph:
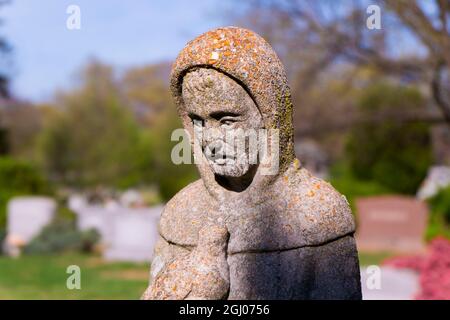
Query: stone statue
[{"x": 241, "y": 231}]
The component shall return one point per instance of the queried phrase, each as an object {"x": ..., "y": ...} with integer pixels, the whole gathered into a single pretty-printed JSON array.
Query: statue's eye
[
  {"x": 196, "y": 120},
  {"x": 225, "y": 118},
  {"x": 197, "y": 123},
  {"x": 227, "y": 121}
]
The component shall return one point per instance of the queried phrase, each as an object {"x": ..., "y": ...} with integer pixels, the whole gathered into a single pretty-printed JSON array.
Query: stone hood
[{"x": 250, "y": 60}]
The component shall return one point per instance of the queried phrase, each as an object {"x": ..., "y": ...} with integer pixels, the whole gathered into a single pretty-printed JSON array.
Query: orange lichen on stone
[{"x": 294, "y": 201}]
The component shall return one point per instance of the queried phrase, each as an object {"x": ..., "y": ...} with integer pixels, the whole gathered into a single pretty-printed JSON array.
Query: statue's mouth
[
  {"x": 220, "y": 154},
  {"x": 225, "y": 160}
]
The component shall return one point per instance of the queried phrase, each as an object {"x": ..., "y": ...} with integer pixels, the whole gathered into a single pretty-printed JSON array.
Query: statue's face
[{"x": 221, "y": 108}]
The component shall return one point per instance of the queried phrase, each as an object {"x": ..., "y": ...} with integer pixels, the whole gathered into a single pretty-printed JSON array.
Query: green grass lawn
[
  {"x": 373, "y": 258},
  {"x": 44, "y": 277}
]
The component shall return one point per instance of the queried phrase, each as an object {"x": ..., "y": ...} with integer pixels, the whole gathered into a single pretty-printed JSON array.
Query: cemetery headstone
[
  {"x": 391, "y": 223},
  {"x": 127, "y": 234},
  {"x": 132, "y": 234},
  {"x": 26, "y": 218}
]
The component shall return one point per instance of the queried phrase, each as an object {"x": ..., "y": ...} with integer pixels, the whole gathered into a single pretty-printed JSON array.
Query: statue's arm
[
  {"x": 337, "y": 274},
  {"x": 163, "y": 254}
]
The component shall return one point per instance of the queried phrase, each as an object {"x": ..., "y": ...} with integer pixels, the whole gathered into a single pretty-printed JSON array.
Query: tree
[
  {"x": 5, "y": 50},
  {"x": 92, "y": 138},
  {"x": 393, "y": 153},
  {"x": 22, "y": 123},
  {"x": 146, "y": 90},
  {"x": 312, "y": 36},
  {"x": 170, "y": 177},
  {"x": 433, "y": 30}
]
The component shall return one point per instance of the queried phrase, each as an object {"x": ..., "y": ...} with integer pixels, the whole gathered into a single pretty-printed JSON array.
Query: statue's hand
[
  {"x": 202, "y": 274},
  {"x": 211, "y": 279}
]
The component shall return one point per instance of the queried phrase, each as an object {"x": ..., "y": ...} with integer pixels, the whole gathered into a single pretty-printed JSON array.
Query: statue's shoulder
[
  {"x": 183, "y": 215},
  {"x": 322, "y": 212}
]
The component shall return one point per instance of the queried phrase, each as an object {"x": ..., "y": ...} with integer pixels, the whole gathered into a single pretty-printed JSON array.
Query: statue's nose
[{"x": 214, "y": 148}]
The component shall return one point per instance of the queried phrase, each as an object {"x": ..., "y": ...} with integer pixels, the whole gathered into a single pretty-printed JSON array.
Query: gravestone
[
  {"x": 290, "y": 234},
  {"x": 26, "y": 218},
  {"x": 132, "y": 234},
  {"x": 95, "y": 217},
  {"x": 76, "y": 202},
  {"x": 391, "y": 223},
  {"x": 127, "y": 234}
]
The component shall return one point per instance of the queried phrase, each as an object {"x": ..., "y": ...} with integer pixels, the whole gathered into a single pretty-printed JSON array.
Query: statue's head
[
  {"x": 226, "y": 82},
  {"x": 224, "y": 112}
]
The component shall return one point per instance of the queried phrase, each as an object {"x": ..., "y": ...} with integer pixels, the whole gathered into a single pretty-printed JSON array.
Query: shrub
[
  {"x": 62, "y": 236},
  {"x": 439, "y": 219},
  {"x": 433, "y": 268},
  {"x": 21, "y": 176},
  {"x": 18, "y": 177}
]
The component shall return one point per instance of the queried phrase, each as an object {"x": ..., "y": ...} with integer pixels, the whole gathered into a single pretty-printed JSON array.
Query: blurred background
[{"x": 86, "y": 118}]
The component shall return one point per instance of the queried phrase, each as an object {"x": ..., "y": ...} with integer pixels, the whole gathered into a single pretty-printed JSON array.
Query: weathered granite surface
[
  {"x": 200, "y": 274},
  {"x": 290, "y": 234}
]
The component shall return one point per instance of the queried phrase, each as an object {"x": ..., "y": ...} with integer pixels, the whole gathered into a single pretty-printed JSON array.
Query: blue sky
[{"x": 123, "y": 33}]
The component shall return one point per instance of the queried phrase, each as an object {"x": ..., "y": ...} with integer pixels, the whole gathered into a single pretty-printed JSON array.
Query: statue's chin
[
  {"x": 235, "y": 170},
  {"x": 236, "y": 177}
]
